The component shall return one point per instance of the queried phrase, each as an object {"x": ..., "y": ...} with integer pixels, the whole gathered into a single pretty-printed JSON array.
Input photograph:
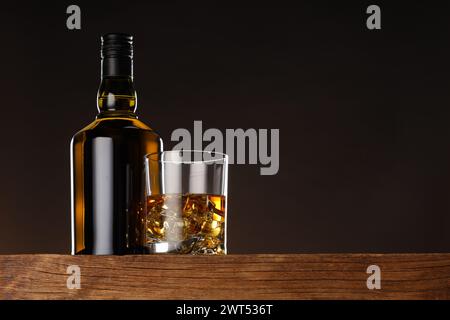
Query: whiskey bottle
[{"x": 107, "y": 161}]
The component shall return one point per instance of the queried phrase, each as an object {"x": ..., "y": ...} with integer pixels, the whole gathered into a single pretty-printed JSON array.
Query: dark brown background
[{"x": 363, "y": 115}]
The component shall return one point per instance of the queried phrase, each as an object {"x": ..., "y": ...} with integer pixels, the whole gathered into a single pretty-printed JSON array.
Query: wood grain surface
[{"x": 260, "y": 276}]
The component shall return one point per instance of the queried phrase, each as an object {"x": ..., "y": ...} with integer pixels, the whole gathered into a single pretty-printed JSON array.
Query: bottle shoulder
[{"x": 114, "y": 125}]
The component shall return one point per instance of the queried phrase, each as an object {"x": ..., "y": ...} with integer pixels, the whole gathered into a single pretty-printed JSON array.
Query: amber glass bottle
[{"x": 107, "y": 161}]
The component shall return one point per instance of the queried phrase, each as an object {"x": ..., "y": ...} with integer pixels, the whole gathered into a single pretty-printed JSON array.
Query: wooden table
[{"x": 253, "y": 276}]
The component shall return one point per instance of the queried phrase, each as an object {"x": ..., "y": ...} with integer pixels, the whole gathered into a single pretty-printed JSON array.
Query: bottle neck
[{"x": 116, "y": 95}]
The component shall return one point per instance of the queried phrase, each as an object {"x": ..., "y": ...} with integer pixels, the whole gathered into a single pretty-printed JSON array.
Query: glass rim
[{"x": 223, "y": 156}]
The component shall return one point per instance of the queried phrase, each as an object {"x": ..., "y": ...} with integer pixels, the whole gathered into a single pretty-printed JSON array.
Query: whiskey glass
[{"x": 186, "y": 201}]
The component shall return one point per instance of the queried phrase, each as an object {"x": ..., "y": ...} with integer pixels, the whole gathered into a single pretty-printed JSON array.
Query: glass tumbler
[{"x": 186, "y": 200}]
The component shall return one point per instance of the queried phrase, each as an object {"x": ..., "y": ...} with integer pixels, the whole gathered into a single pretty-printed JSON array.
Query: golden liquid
[
  {"x": 108, "y": 185},
  {"x": 188, "y": 223}
]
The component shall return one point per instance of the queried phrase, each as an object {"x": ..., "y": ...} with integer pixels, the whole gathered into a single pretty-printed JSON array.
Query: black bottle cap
[
  {"x": 117, "y": 45},
  {"x": 117, "y": 54}
]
